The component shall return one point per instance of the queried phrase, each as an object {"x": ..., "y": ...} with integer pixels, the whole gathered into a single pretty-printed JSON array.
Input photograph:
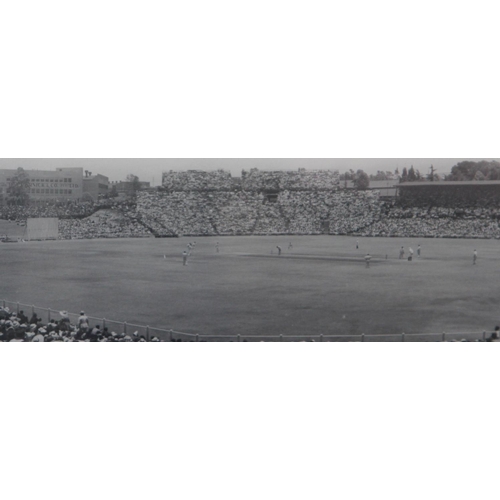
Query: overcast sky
[{"x": 151, "y": 169}]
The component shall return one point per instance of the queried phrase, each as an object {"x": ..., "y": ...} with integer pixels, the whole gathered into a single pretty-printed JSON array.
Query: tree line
[
  {"x": 462, "y": 171},
  {"x": 475, "y": 171}
]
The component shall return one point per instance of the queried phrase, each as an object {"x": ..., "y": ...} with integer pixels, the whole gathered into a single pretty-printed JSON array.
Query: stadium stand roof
[{"x": 448, "y": 183}]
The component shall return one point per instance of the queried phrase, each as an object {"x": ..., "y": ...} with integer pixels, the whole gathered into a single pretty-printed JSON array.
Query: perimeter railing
[{"x": 46, "y": 314}]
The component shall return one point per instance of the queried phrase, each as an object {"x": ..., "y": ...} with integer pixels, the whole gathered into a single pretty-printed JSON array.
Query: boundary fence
[{"x": 172, "y": 335}]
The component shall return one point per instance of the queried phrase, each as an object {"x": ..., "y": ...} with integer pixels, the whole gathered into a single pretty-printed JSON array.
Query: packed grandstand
[
  {"x": 261, "y": 203},
  {"x": 18, "y": 327}
]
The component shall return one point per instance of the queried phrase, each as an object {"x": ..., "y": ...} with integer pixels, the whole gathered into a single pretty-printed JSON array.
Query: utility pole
[{"x": 432, "y": 173}]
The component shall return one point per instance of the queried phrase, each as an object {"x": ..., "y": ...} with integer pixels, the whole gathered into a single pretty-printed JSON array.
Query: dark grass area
[{"x": 319, "y": 287}]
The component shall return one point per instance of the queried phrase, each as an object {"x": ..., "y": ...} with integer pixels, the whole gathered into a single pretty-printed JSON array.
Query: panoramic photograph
[
  {"x": 318, "y": 180},
  {"x": 249, "y": 250}
]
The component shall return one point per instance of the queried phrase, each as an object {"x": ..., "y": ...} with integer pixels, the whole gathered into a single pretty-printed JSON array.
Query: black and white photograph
[
  {"x": 248, "y": 250},
  {"x": 294, "y": 207}
]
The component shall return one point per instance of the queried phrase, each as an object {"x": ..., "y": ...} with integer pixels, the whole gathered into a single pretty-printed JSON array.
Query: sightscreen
[{"x": 42, "y": 229}]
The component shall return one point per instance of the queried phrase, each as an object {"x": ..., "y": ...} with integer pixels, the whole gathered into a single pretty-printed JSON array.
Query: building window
[
  {"x": 70, "y": 191},
  {"x": 65, "y": 179},
  {"x": 69, "y": 180},
  {"x": 38, "y": 191},
  {"x": 51, "y": 191}
]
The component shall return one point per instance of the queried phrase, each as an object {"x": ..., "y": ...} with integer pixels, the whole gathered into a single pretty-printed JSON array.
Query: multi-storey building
[
  {"x": 61, "y": 184},
  {"x": 95, "y": 185}
]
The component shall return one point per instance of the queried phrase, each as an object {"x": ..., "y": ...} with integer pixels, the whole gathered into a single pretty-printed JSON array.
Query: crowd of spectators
[
  {"x": 249, "y": 212},
  {"x": 253, "y": 180},
  {"x": 197, "y": 180},
  {"x": 177, "y": 212},
  {"x": 210, "y": 213},
  {"x": 352, "y": 211},
  {"x": 17, "y": 327},
  {"x": 338, "y": 212},
  {"x": 258, "y": 180},
  {"x": 298, "y": 202},
  {"x": 435, "y": 222},
  {"x": 105, "y": 218},
  {"x": 103, "y": 224},
  {"x": 237, "y": 212},
  {"x": 61, "y": 210}
]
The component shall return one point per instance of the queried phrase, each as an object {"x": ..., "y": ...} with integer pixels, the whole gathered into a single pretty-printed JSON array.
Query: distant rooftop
[{"x": 373, "y": 184}]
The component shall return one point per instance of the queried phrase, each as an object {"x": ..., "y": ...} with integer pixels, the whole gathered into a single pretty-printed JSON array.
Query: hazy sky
[{"x": 151, "y": 169}]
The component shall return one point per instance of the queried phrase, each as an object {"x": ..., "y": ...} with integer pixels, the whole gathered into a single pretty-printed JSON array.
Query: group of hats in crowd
[{"x": 16, "y": 327}]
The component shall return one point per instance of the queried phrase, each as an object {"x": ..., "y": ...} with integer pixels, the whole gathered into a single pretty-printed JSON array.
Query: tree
[
  {"x": 467, "y": 170},
  {"x": 347, "y": 176},
  {"x": 361, "y": 181},
  {"x": 18, "y": 188},
  {"x": 382, "y": 176},
  {"x": 404, "y": 175},
  {"x": 432, "y": 174},
  {"x": 411, "y": 175}
]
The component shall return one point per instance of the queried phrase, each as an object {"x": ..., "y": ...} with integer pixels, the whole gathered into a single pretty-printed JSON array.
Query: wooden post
[
  {"x": 125, "y": 327},
  {"x": 147, "y": 333},
  {"x": 170, "y": 336},
  {"x": 103, "y": 323},
  {"x": 239, "y": 337},
  {"x": 197, "y": 338},
  {"x": 32, "y": 310},
  {"x": 484, "y": 336},
  {"x": 17, "y": 308},
  {"x": 362, "y": 337},
  {"x": 321, "y": 337},
  {"x": 444, "y": 336},
  {"x": 281, "y": 338},
  {"x": 48, "y": 313},
  {"x": 403, "y": 337}
]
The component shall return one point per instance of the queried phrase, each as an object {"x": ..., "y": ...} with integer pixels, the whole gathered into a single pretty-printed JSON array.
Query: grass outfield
[{"x": 321, "y": 286}]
